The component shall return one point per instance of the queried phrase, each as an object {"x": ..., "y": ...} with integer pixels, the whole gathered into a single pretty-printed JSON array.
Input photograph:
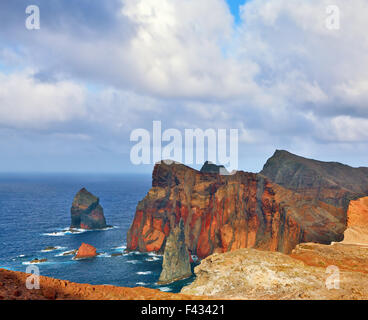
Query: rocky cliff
[
  {"x": 331, "y": 182},
  {"x": 357, "y": 222},
  {"x": 86, "y": 211},
  {"x": 12, "y": 287},
  {"x": 224, "y": 213},
  {"x": 176, "y": 262}
]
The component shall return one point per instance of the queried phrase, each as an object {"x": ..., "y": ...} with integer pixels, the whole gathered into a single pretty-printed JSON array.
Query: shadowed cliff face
[
  {"x": 225, "y": 213},
  {"x": 330, "y": 182},
  {"x": 176, "y": 262}
]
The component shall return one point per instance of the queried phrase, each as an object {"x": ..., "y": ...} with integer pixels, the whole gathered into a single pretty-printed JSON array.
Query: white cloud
[
  {"x": 280, "y": 76},
  {"x": 27, "y": 103}
]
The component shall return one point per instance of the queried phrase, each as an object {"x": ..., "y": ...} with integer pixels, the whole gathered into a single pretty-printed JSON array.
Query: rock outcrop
[
  {"x": 254, "y": 274},
  {"x": 176, "y": 262},
  {"x": 357, "y": 224},
  {"x": 12, "y": 287},
  {"x": 210, "y": 167},
  {"x": 348, "y": 257},
  {"x": 224, "y": 213},
  {"x": 331, "y": 182},
  {"x": 86, "y": 211},
  {"x": 86, "y": 251}
]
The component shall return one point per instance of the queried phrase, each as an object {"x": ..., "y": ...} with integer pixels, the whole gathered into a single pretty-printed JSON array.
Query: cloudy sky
[{"x": 72, "y": 92}]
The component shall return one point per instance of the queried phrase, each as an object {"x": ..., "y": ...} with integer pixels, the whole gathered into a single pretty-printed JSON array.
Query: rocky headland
[
  {"x": 308, "y": 273},
  {"x": 293, "y": 200},
  {"x": 86, "y": 212}
]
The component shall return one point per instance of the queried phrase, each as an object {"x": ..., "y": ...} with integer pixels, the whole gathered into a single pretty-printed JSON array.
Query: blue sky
[
  {"x": 72, "y": 92},
  {"x": 234, "y": 7}
]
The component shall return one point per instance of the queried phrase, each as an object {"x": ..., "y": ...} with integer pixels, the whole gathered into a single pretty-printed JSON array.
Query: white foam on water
[
  {"x": 54, "y": 234},
  {"x": 153, "y": 254},
  {"x": 144, "y": 273},
  {"x": 152, "y": 259},
  {"x": 141, "y": 284},
  {"x": 165, "y": 289},
  {"x": 132, "y": 261},
  {"x": 104, "y": 255},
  {"x": 27, "y": 263},
  {"x": 68, "y": 231},
  {"x": 65, "y": 253},
  {"x": 119, "y": 248}
]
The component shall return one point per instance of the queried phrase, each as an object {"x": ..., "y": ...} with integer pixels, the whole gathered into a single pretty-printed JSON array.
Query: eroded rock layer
[
  {"x": 223, "y": 213},
  {"x": 255, "y": 274},
  {"x": 357, "y": 224},
  {"x": 330, "y": 182}
]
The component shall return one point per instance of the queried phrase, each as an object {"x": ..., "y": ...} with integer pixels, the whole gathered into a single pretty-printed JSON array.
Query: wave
[
  {"x": 69, "y": 231},
  {"x": 133, "y": 261},
  {"x": 152, "y": 259},
  {"x": 54, "y": 234},
  {"x": 144, "y": 273},
  {"x": 66, "y": 253},
  {"x": 103, "y": 255},
  {"x": 30, "y": 263},
  {"x": 141, "y": 284},
  {"x": 123, "y": 247},
  {"x": 165, "y": 289},
  {"x": 153, "y": 254}
]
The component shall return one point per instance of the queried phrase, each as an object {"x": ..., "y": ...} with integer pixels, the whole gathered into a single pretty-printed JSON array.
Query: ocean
[{"x": 35, "y": 214}]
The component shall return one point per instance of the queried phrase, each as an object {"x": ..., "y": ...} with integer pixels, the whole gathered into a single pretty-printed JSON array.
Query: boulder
[
  {"x": 86, "y": 251},
  {"x": 176, "y": 262},
  {"x": 86, "y": 212}
]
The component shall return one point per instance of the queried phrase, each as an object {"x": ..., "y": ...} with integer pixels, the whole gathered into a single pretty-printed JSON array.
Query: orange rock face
[
  {"x": 357, "y": 222},
  {"x": 358, "y": 213},
  {"x": 12, "y": 287},
  {"x": 225, "y": 213},
  {"x": 86, "y": 251}
]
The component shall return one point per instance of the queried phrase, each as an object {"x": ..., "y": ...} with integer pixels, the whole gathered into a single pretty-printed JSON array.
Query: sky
[{"x": 72, "y": 92}]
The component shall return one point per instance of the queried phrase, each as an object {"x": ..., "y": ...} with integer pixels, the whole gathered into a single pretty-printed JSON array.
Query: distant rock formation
[
  {"x": 223, "y": 213},
  {"x": 176, "y": 262},
  {"x": 261, "y": 275},
  {"x": 86, "y": 212},
  {"x": 331, "y": 182},
  {"x": 209, "y": 167},
  {"x": 357, "y": 231},
  {"x": 86, "y": 251}
]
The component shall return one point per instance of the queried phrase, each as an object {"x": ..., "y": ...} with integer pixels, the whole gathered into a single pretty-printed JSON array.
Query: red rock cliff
[{"x": 225, "y": 213}]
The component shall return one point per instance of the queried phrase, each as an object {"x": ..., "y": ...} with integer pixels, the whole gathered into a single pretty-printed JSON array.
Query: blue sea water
[{"x": 35, "y": 214}]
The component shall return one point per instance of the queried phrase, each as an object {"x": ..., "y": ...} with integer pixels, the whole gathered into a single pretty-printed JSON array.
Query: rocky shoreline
[{"x": 13, "y": 287}]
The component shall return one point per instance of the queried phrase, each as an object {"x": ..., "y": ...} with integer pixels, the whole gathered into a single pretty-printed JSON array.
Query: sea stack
[
  {"x": 86, "y": 251},
  {"x": 176, "y": 262},
  {"x": 87, "y": 212}
]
